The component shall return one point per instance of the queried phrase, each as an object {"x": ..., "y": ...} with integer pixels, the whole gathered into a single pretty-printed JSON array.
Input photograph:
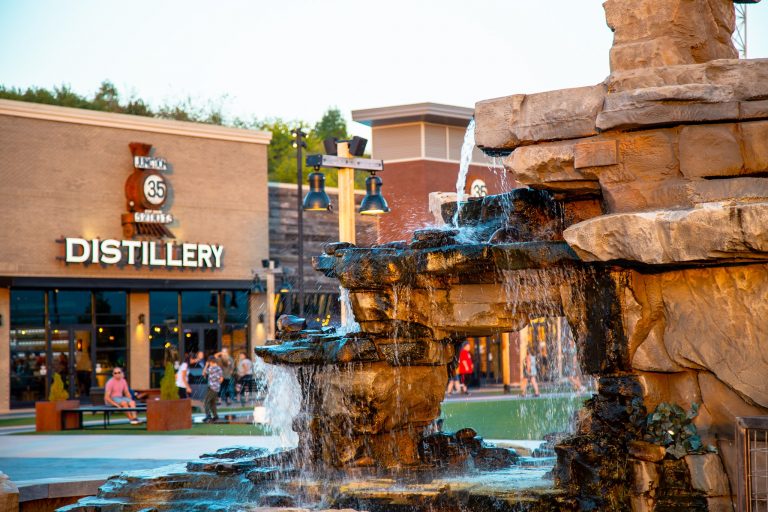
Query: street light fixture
[
  {"x": 373, "y": 203},
  {"x": 316, "y": 199}
]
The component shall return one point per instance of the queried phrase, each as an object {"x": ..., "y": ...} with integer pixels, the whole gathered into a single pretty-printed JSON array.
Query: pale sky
[{"x": 294, "y": 59}]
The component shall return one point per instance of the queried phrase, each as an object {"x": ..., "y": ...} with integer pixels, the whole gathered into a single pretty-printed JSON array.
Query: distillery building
[{"x": 125, "y": 241}]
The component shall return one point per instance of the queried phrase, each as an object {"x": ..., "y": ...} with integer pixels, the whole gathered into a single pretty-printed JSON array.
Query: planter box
[
  {"x": 169, "y": 414},
  {"x": 48, "y": 415}
]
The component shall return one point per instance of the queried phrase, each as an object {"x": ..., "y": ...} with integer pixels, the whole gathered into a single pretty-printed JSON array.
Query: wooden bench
[{"x": 106, "y": 410}]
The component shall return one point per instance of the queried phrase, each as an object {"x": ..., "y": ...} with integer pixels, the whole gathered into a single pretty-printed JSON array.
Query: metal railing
[{"x": 752, "y": 444}]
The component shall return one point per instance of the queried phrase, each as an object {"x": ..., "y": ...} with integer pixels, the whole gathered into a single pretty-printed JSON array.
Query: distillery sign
[
  {"x": 145, "y": 241},
  {"x": 145, "y": 253}
]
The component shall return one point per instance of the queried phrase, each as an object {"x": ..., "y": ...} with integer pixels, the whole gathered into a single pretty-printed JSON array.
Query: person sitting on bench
[{"x": 117, "y": 394}]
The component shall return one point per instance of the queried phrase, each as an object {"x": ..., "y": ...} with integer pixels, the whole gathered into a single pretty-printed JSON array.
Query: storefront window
[
  {"x": 111, "y": 307},
  {"x": 28, "y": 365},
  {"x": 163, "y": 308},
  {"x": 234, "y": 306},
  {"x": 199, "y": 307},
  {"x": 163, "y": 348},
  {"x": 111, "y": 351},
  {"x": 69, "y": 307},
  {"x": 163, "y": 334},
  {"x": 235, "y": 338},
  {"x": 27, "y": 308}
]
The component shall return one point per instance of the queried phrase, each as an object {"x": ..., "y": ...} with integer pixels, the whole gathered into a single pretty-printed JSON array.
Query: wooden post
[{"x": 346, "y": 197}]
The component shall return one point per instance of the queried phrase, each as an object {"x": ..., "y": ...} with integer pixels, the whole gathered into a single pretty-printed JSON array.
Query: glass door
[{"x": 71, "y": 359}]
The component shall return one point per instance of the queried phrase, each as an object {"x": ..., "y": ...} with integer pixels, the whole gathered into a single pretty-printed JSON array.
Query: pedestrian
[
  {"x": 529, "y": 373},
  {"x": 182, "y": 379},
  {"x": 117, "y": 394},
  {"x": 244, "y": 376},
  {"x": 215, "y": 378},
  {"x": 466, "y": 367},
  {"x": 227, "y": 365}
]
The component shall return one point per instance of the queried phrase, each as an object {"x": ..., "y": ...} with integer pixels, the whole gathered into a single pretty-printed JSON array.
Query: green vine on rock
[{"x": 671, "y": 427}]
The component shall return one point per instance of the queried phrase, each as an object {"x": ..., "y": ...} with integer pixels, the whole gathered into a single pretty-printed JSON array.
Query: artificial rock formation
[{"x": 674, "y": 146}]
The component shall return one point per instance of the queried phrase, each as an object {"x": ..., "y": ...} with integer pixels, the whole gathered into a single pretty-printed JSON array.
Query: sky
[{"x": 295, "y": 59}]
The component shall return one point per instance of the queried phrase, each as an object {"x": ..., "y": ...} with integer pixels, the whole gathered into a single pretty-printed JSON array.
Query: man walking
[
  {"x": 227, "y": 365},
  {"x": 215, "y": 377}
]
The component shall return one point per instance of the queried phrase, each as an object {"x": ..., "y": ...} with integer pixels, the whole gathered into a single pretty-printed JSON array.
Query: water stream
[{"x": 467, "y": 148}]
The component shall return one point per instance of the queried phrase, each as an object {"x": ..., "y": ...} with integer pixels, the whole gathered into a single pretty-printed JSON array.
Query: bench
[{"x": 106, "y": 410}]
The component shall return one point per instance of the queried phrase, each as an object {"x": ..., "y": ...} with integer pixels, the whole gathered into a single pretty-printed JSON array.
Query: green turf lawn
[
  {"x": 15, "y": 422},
  {"x": 527, "y": 418}
]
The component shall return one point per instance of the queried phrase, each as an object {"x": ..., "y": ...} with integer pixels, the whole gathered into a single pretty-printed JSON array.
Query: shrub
[
  {"x": 671, "y": 427},
  {"x": 58, "y": 393},
  {"x": 168, "y": 389}
]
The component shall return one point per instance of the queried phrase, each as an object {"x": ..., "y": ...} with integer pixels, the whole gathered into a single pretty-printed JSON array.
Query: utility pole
[{"x": 300, "y": 143}]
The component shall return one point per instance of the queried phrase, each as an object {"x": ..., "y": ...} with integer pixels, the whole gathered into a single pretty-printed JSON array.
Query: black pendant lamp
[
  {"x": 373, "y": 202},
  {"x": 316, "y": 199}
]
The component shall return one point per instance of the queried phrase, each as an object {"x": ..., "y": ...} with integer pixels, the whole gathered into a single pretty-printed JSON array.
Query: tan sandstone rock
[
  {"x": 680, "y": 388},
  {"x": 506, "y": 123},
  {"x": 645, "y": 477},
  {"x": 710, "y": 150},
  {"x": 709, "y": 232},
  {"x": 721, "y": 406},
  {"x": 550, "y": 167},
  {"x": 717, "y": 319},
  {"x": 649, "y": 33},
  {"x": 707, "y": 474},
  {"x": 9, "y": 494}
]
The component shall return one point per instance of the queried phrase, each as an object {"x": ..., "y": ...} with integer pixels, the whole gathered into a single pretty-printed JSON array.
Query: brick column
[
  {"x": 138, "y": 339},
  {"x": 5, "y": 349}
]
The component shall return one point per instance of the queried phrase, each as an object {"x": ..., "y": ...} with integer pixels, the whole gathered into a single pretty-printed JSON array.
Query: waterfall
[{"x": 466, "y": 158}]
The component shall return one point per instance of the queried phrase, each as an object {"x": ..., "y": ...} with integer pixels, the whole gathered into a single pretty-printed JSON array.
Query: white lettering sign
[
  {"x": 152, "y": 254},
  {"x": 148, "y": 162}
]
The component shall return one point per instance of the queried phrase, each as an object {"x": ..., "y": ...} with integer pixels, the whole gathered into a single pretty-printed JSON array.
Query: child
[{"x": 215, "y": 376}]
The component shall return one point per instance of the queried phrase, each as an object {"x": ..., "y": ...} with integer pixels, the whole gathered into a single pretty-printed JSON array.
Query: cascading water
[
  {"x": 282, "y": 401},
  {"x": 467, "y": 147},
  {"x": 347, "y": 314}
]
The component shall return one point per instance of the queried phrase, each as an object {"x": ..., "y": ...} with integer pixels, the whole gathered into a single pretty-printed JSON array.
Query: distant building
[{"x": 421, "y": 148}]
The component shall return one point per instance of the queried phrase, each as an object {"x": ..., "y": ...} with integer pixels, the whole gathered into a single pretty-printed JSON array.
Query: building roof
[
  {"x": 131, "y": 122},
  {"x": 424, "y": 112}
]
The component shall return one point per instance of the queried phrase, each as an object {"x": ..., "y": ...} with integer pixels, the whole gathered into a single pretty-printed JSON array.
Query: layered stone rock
[{"x": 650, "y": 34}]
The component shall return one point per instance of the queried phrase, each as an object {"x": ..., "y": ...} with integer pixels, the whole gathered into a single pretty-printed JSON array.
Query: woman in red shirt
[
  {"x": 117, "y": 394},
  {"x": 466, "y": 367}
]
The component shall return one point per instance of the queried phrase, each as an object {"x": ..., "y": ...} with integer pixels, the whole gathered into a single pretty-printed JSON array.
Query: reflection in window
[
  {"x": 111, "y": 307},
  {"x": 27, "y": 307},
  {"x": 199, "y": 307},
  {"x": 163, "y": 307},
  {"x": 69, "y": 307}
]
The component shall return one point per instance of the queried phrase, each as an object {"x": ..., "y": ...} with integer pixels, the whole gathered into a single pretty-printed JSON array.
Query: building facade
[
  {"x": 124, "y": 241},
  {"x": 421, "y": 145}
]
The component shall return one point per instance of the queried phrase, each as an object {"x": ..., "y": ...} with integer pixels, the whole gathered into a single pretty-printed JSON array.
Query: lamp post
[
  {"x": 300, "y": 143},
  {"x": 344, "y": 156}
]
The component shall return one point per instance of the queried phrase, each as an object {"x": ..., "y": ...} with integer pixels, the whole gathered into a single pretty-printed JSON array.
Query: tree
[{"x": 332, "y": 124}]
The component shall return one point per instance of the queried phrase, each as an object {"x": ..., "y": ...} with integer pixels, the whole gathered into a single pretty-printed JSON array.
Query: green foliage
[
  {"x": 671, "y": 427},
  {"x": 58, "y": 392},
  {"x": 281, "y": 156},
  {"x": 168, "y": 388}
]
